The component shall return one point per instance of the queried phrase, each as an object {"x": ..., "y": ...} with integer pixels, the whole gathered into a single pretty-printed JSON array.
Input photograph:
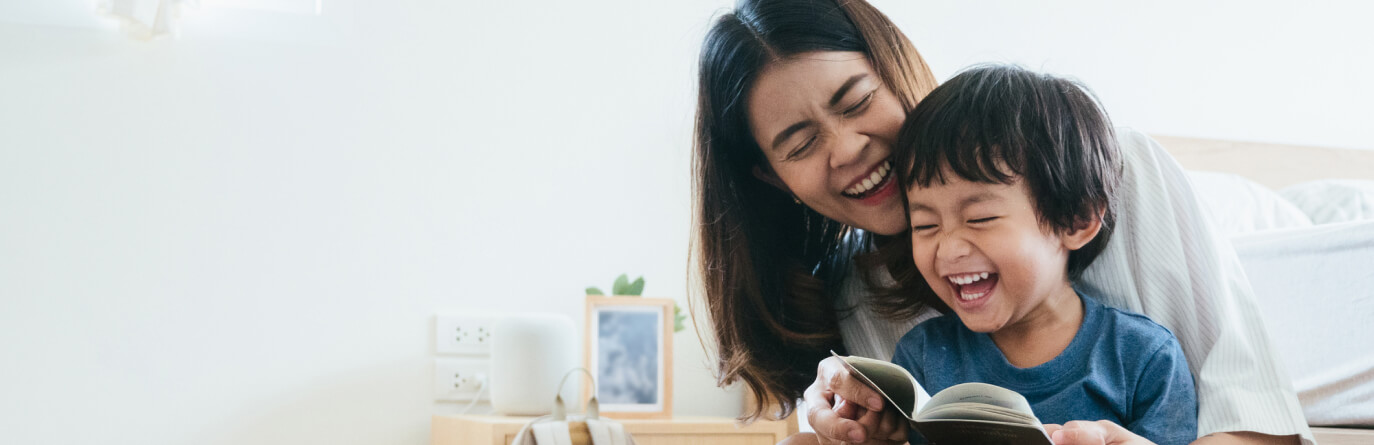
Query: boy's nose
[{"x": 952, "y": 248}]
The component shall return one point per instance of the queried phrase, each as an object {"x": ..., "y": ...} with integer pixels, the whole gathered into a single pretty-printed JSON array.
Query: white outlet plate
[
  {"x": 463, "y": 335},
  {"x": 461, "y": 379}
]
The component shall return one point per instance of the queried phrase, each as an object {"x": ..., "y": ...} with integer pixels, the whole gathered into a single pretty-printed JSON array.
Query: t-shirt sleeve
[
  {"x": 908, "y": 354},
  {"x": 1164, "y": 408}
]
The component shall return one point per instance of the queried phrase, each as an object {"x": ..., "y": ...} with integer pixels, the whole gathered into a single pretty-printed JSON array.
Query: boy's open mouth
[{"x": 972, "y": 286}]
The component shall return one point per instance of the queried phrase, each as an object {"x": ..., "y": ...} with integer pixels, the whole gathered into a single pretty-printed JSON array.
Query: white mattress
[{"x": 1315, "y": 290}]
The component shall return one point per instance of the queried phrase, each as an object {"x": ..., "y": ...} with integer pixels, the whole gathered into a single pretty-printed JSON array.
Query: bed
[{"x": 1302, "y": 222}]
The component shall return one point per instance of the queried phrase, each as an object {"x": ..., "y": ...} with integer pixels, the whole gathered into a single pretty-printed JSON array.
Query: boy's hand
[{"x": 1102, "y": 432}]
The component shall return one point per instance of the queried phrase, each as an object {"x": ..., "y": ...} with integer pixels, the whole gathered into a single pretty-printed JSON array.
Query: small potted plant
[{"x": 623, "y": 287}]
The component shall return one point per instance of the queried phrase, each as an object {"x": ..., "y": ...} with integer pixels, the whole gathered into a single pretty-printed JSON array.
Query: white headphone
[{"x": 593, "y": 408}]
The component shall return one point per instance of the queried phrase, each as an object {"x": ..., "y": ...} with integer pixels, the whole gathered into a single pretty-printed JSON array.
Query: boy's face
[{"x": 983, "y": 250}]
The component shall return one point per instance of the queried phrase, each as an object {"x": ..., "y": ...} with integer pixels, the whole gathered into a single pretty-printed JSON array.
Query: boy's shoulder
[
  {"x": 942, "y": 332},
  {"x": 936, "y": 329},
  {"x": 1132, "y": 330}
]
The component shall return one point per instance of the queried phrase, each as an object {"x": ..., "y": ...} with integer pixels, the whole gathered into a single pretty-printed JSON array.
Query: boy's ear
[
  {"x": 767, "y": 176},
  {"x": 1084, "y": 230}
]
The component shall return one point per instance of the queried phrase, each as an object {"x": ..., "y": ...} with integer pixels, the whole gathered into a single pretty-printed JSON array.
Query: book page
[
  {"x": 979, "y": 401},
  {"x": 981, "y": 432},
  {"x": 894, "y": 383},
  {"x": 980, "y": 413}
]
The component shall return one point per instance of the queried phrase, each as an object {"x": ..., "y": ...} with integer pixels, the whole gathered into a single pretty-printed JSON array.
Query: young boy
[{"x": 1010, "y": 177}]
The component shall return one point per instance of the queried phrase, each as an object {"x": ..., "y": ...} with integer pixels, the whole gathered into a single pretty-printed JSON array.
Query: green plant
[{"x": 624, "y": 287}]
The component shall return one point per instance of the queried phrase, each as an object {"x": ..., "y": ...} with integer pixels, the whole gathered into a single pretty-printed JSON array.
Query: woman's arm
[{"x": 1165, "y": 261}]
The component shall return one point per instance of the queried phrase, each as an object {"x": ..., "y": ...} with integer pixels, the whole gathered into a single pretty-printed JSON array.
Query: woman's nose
[{"x": 849, "y": 147}]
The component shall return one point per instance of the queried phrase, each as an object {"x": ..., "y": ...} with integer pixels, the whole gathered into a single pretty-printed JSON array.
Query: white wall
[
  {"x": 1268, "y": 71},
  {"x": 241, "y": 235}
]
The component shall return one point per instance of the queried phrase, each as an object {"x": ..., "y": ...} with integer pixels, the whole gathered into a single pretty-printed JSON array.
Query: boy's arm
[
  {"x": 1102, "y": 432},
  {"x": 1245, "y": 438},
  {"x": 1164, "y": 407},
  {"x": 1105, "y": 432}
]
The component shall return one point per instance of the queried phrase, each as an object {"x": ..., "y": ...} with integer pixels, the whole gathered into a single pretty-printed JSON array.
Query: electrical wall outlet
[
  {"x": 462, "y": 379},
  {"x": 464, "y": 335}
]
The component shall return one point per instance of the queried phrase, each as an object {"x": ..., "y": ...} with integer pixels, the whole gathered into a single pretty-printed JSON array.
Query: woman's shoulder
[{"x": 1138, "y": 148}]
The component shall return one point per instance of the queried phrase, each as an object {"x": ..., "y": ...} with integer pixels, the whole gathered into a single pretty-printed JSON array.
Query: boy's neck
[{"x": 1045, "y": 332}]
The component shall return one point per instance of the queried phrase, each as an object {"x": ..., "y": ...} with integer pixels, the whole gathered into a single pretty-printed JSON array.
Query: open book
[{"x": 964, "y": 413}]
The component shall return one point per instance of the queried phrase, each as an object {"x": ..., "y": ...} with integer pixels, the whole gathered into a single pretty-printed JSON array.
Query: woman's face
[{"x": 826, "y": 124}]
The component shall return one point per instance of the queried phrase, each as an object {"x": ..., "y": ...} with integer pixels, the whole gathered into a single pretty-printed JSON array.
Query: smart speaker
[{"x": 529, "y": 354}]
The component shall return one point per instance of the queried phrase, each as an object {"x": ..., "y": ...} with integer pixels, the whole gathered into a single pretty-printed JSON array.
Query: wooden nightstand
[{"x": 500, "y": 430}]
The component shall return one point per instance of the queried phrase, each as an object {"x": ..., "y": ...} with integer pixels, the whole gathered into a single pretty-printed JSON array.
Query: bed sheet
[{"x": 1315, "y": 290}]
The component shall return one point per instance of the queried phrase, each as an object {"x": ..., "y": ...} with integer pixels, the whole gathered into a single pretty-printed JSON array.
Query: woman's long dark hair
[{"x": 771, "y": 267}]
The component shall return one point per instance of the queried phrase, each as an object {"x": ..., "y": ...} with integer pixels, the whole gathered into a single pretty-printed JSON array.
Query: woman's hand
[
  {"x": 1102, "y": 432},
  {"x": 843, "y": 410}
]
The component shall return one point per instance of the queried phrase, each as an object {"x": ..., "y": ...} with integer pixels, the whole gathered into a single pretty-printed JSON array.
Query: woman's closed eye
[
  {"x": 982, "y": 220},
  {"x": 860, "y": 106},
  {"x": 802, "y": 150},
  {"x": 918, "y": 228}
]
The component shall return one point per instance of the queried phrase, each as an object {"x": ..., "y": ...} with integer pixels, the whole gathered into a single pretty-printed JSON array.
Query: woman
[{"x": 799, "y": 103}]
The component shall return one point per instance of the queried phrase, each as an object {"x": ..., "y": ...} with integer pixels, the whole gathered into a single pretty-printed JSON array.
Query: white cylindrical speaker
[{"x": 529, "y": 354}]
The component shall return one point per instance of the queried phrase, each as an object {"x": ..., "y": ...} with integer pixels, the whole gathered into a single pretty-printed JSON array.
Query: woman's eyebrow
[
  {"x": 787, "y": 132},
  {"x": 839, "y": 94}
]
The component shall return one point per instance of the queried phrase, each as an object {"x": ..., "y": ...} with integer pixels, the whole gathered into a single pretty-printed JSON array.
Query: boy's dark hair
[{"x": 991, "y": 123}]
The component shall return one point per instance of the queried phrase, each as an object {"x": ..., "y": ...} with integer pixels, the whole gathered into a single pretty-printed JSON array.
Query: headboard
[{"x": 1273, "y": 165}]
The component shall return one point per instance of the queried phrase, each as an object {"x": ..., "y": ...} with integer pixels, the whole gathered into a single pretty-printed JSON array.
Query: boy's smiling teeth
[
  {"x": 972, "y": 286},
  {"x": 967, "y": 278},
  {"x": 873, "y": 180}
]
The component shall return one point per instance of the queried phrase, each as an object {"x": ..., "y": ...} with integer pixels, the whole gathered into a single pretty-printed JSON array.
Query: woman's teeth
[{"x": 874, "y": 179}]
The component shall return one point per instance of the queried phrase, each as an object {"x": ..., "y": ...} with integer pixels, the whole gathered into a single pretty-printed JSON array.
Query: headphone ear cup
[{"x": 593, "y": 409}]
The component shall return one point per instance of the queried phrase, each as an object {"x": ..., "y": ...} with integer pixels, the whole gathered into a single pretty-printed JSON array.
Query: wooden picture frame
[{"x": 629, "y": 341}]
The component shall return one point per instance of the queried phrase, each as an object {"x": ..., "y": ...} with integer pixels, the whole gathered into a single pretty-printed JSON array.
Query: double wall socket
[
  {"x": 468, "y": 337},
  {"x": 462, "y": 379},
  {"x": 463, "y": 335}
]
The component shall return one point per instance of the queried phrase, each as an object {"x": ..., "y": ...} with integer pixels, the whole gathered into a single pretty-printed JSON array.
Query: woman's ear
[
  {"x": 1084, "y": 230},
  {"x": 772, "y": 179}
]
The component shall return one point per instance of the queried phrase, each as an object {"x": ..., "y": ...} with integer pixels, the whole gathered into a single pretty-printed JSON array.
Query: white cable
[{"x": 476, "y": 397}]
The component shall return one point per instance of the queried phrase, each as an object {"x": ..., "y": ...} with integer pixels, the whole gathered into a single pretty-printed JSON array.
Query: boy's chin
[
  {"x": 982, "y": 328},
  {"x": 979, "y": 324}
]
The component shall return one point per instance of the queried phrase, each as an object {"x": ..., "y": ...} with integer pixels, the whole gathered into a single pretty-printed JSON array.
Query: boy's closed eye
[{"x": 984, "y": 220}]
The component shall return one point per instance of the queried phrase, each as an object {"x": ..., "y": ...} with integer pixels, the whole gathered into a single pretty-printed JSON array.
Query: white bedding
[{"x": 1315, "y": 291}]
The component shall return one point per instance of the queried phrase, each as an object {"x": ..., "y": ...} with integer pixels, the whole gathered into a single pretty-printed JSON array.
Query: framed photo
[{"x": 629, "y": 348}]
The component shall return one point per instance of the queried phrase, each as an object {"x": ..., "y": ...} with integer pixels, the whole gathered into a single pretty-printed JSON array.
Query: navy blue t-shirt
[{"x": 1120, "y": 367}]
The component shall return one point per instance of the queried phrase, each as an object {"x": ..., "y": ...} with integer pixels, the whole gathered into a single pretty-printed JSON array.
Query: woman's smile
[{"x": 875, "y": 187}]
